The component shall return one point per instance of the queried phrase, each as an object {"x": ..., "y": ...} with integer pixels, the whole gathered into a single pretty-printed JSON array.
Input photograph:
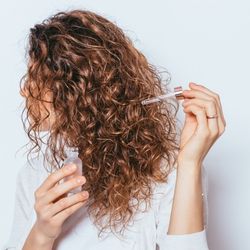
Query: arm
[
  {"x": 37, "y": 241},
  {"x": 204, "y": 123},
  {"x": 187, "y": 211},
  {"x": 164, "y": 207}
]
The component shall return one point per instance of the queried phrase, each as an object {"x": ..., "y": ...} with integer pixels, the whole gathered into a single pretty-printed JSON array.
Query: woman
[{"x": 141, "y": 188}]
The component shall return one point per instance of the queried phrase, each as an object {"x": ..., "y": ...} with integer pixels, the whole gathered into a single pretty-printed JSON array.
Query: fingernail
[
  {"x": 81, "y": 179},
  {"x": 85, "y": 194}
]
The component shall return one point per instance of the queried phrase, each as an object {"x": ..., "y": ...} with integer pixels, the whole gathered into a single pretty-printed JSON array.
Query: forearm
[
  {"x": 187, "y": 209},
  {"x": 36, "y": 241}
]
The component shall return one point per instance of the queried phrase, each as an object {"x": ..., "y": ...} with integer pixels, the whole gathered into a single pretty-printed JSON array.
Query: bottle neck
[{"x": 71, "y": 152}]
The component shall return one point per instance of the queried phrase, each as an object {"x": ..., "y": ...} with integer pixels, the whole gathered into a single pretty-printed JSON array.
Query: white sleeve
[
  {"x": 24, "y": 200},
  {"x": 192, "y": 241}
]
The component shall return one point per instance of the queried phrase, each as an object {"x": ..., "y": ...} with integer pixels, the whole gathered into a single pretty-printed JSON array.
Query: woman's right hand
[{"x": 52, "y": 205}]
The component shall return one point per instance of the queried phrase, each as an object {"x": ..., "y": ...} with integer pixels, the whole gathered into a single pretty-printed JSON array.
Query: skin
[
  {"x": 53, "y": 207},
  {"x": 197, "y": 137}
]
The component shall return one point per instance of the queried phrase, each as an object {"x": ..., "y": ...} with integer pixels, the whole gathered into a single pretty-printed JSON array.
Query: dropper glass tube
[{"x": 177, "y": 94}]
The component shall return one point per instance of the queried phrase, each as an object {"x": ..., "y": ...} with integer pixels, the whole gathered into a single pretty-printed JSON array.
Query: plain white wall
[{"x": 201, "y": 41}]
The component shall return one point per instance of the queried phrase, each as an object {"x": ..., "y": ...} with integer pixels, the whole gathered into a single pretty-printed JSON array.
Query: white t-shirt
[{"x": 147, "y": 232}]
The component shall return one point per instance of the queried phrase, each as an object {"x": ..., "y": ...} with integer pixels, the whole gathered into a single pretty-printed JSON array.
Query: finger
[
  {"x": 61, "y": 189},
  {"x": 63, "y": 215},
  {"x": 59, "y": 197},
  {"x": 199, "y": 94},
  {"x": 215, "y": 95},
  {"x": 200, "y": 115},
  {"x": 212, "y": 94},
  {"x": 210, "y": 108},
  {"x": 55, "y": 177},
  {"x": 67, "y": 202}
]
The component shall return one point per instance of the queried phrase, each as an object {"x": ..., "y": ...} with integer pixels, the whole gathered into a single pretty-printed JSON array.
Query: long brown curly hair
[{"x": 85, "y": 71}]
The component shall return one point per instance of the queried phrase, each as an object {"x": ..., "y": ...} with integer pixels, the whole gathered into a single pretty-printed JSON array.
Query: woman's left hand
[{"x": 199, "y": 133}]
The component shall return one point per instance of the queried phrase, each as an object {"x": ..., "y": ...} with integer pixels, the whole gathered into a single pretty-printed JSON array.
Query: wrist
[
  {"x": 189, "y": 167},
  {"x": 41, "y": 239},
  {"x": 188, "y": 160}
]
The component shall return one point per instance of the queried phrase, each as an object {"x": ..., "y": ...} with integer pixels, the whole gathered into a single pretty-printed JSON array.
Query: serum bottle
[{"x": 72, "y": 157}]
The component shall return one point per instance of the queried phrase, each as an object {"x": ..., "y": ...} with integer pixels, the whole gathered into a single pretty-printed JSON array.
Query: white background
[{"x": 202, "y": 41}]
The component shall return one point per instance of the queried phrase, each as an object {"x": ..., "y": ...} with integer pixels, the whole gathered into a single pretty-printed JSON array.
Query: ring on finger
[{"x": 212, "y": 116}]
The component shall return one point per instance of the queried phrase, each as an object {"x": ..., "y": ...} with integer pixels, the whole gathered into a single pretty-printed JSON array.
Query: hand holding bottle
[{"x": 52, "y": 205}]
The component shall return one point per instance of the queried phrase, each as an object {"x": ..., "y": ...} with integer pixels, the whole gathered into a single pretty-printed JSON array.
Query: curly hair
[{"x": 85, "y": 71}]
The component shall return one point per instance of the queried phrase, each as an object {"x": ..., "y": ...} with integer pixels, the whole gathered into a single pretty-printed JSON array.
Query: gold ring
[{"x": 212, "y": 117}]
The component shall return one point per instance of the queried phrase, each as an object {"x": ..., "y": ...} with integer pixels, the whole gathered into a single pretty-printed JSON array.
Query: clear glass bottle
[{"x": 72, "y": 157}]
